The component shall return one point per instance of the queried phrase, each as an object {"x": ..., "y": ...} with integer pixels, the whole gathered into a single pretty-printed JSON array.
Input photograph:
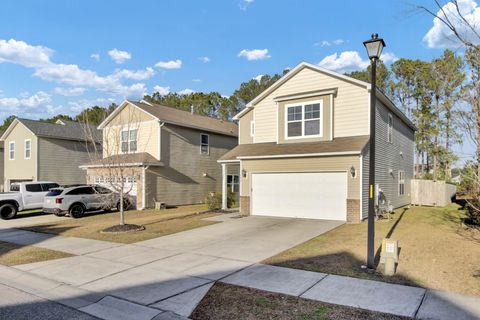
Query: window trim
[
  {"x": 10, "y": 149},
  {"x": 252, "y": 128},
  {"x": 208, "y": 143},
  {"x": 303, "y": 104},
  {"x": 29, "y": 149},
  {"x": 390, "y": 128},
  {"x": 401, "y": 182},
  {"x": 128, "y": 141}
]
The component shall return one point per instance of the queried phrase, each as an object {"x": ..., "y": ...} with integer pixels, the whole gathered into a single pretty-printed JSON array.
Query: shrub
[
  {"x": 214, "y": 200},
  {"x": 473, "y": 211}
]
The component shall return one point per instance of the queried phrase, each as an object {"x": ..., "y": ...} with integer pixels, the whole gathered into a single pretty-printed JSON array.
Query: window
[
  {"x": 11, "y": 150},
  {"x": 81, "y": 190},
  {"x": 252, "y": 128},
  {"x": 233, "y": 182},
  {"x": 34, "y": 187},
  {"x": 304, "y": 120},
  {"x": 401, "y": 183},
  {"x": 103, "y": 190},
  {"x": 48, "y": 186},
  {"x": 390, "y": 128},
  {"x": 204, "y": 144},
  {"x": 28, "y": 148},
  {"x": 129, "y": 140}
]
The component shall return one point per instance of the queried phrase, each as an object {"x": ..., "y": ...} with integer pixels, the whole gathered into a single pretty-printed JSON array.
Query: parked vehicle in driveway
[
  {"x": 24, "y": 196},
  {"x": 76, "y": 200}
]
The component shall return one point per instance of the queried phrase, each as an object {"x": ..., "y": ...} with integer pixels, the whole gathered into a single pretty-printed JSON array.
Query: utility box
[{"x": 389, "y": 255}]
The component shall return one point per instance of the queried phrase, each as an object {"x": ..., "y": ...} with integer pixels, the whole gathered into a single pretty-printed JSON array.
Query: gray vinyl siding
[
  {"x": 181, "y": 180},
  {"x": 394, "y": 156},
  {"x": 59, "y": 160}
]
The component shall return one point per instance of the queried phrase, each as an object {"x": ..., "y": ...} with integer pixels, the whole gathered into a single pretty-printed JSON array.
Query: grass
[
  {"x": 226, "y": 302},
  {"x": 14, "y": 254},
  {"x": 436, "y": 251},
  {"x": 156, "y": 223}
]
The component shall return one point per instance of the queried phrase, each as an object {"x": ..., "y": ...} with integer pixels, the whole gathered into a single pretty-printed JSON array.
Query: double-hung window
[
  {"x": 11, "y": 150},
  {"x": 401, "y": 183},
  {"x": 304, "y": 120},
  {"x": 129, "y": 140},
  {"x": 28, "y": 149},
  {"x": 204, "y": 143},
  {"x": 390, "y": 128}
]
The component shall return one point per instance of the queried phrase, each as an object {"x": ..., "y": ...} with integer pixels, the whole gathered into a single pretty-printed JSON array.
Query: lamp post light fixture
[{"x": 374, "y": 48}]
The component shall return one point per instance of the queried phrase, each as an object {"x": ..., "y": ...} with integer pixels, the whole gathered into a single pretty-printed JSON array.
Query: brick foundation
[
  {"x": 245, "y": 206},
  {"x": 353, "y": 210}
]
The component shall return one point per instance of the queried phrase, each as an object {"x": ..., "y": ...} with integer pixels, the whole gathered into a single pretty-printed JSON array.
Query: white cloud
[
  {"x": 326, "y": 43},
  {"x": 161, "y": 90},
  {"x": 204, "y": 59},
  {"x": 244, "y": 4},
  {"x": 255, "y": 54},
  {"x": 69, "y": 92},
  {"x": 186, "y": 91},
  {"x": 26, "y": 105},
  {"x": 172, "y": 64},
  {"x": 119, "y": 56},
  {"x": 349, "y": 61},
  {"x": 134, "y": 75},
  {"x": 95, "y": 56},
  {"x": 440, "y": 36},
  {"x": 39, "y": 58},
  {"x": 197, "y": 80},
  {"x": 258, "y": 78},
  {"x": 76, "y": 107}
]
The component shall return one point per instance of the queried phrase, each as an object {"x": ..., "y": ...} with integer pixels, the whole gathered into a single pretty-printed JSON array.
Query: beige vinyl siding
[
  {"x": 181, "y": 180},
  {"x": 132, "y": 118},
  {"x": 350, "y": 116},
  {"x": 2, "y": 167},
  {"x": 20, "y": 168},
  {"x": 244, "y": 136},
  {"x": 59, "y": 160},
  {"x": 307, "y": 164}
]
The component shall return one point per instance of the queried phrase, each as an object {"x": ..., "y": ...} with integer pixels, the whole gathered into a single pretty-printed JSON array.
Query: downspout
[{"x": 161, "y": 124}]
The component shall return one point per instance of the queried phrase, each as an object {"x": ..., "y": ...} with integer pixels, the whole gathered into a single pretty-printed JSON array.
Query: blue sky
[{"x": 61, "y": 56}]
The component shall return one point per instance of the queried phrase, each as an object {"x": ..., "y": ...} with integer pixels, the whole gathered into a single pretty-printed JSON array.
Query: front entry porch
[{"x": 230, "y": 182}]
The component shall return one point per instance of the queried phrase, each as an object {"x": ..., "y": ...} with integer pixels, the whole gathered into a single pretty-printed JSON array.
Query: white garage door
[{"x": 310, "y": 195}]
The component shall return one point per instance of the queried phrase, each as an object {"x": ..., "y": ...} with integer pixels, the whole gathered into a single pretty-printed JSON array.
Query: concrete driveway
[{"x": 159, "y": 272}]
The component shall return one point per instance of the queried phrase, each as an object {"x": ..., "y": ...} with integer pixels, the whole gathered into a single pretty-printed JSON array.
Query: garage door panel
[{"x": 311, "y": 195}]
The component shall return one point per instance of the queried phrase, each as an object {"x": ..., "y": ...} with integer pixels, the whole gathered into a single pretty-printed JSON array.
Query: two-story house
[
  {"x": 36, "y": 150},
  {"x": 161, "y": 153},
  {"x": 304, "y": 148},
  {"x": 2, "y": 166}
]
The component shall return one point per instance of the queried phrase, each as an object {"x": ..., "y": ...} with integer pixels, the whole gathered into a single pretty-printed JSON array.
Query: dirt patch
[
  {"x": 120, "y": 228},
  {"x": 233, "y": 302},
  {"x": 435, "y": 250},
  {"x": 14, "y": 254}
]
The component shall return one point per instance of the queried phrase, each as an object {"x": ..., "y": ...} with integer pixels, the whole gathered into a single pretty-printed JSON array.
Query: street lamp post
[{"x": 374, "y": 48}]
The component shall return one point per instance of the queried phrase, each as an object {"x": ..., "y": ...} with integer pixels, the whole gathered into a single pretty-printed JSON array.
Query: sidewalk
[{"x": 115, "y": 281}]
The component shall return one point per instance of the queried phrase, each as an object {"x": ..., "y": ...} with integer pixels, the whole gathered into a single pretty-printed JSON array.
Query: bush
[
  {"x": 473, "y": 211},
  {"x": 214, "y": 200}
]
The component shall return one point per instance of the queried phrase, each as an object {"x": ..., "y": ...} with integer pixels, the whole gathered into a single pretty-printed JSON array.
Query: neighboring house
[
  {"x": 36, "y": 150},
  {"x": 304, "y": 148},
  {"x": 166, "y": 154}
]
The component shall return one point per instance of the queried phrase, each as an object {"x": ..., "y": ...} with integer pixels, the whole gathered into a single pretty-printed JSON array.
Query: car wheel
[
  {"x": 76, "y": 211},
  {"x": 126, "y": 205},
  {"x": 8, "y": 211}
]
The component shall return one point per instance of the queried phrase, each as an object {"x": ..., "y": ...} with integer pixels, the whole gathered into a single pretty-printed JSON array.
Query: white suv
[{"x": 76, "y": 200}]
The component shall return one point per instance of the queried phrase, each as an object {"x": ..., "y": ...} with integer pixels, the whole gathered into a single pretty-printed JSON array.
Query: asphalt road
[{"x": 19, "y": 305}]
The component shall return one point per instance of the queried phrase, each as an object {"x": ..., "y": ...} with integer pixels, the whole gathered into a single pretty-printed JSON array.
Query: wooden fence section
[{"x": 432, "y": 193}]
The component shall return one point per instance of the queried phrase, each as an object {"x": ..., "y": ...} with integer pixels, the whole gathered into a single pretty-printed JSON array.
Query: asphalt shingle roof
[{"x": 69, "y": 130}]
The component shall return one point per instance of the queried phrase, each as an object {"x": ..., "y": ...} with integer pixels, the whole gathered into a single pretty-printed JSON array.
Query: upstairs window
[
  {"x": 129, "y": 140},
  {"x": 204, "y": 143},
  {"x": 390, "y": 128},
  {"x": 304, "y": 120},
  {"x": 401, "y": 183},
  {"x": 28, "y": 149},
  {"x": 11, "y": 150}
]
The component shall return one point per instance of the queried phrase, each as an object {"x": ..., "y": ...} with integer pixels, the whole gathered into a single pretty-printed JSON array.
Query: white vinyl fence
[{"x": 432, "y": 193}]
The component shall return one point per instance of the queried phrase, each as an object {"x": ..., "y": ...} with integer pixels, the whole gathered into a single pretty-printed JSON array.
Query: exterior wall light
[
  {"x": 244, "y": 173},
  {"x": 353, "y": 172}
]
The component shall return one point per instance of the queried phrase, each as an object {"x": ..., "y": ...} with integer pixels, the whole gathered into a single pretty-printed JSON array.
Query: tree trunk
[
  {"x": 122, "y": 214},
  {"x": 447, "y": 146}
]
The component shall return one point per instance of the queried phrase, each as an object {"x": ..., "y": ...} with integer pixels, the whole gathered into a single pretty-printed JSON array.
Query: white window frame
[
  {"x": 10, "y": 149},
  {"x": 202, "y": 144},
  {"x": 303, "y": 104},
  {"x": 252, "y": 128},
  {"x": 129, "y": 140},
  {"x": 29, "y": 149},
  {"x": 390, "y": 128},
  {"x": 401, "y": 182},
  {"x": 233, "y": 183}
]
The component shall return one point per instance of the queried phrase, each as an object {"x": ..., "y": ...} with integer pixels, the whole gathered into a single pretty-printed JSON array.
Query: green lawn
[
  {"x": 436, "y": 251},
  {"x": 156, "y": 223}
]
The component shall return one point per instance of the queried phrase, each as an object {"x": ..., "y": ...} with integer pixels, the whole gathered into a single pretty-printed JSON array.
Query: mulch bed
[{"x": 123, "y": 228}]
